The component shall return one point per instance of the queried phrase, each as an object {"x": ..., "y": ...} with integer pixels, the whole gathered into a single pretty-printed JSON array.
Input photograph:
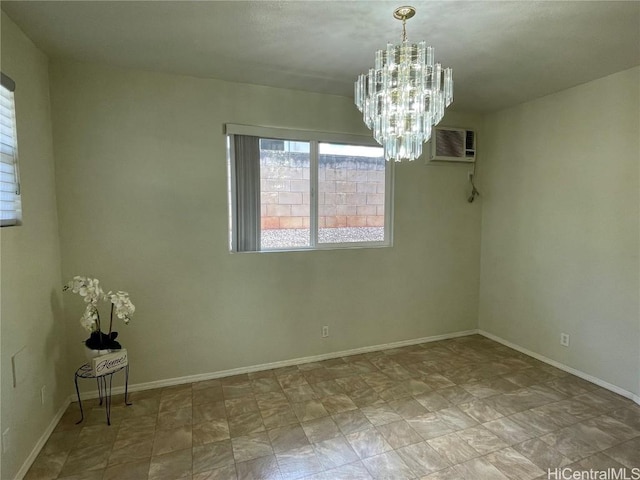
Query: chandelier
[{"x": 404, "y": 95}]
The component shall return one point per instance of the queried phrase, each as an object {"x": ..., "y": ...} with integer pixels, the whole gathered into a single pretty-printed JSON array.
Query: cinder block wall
[{"x": 350, "y": 192}]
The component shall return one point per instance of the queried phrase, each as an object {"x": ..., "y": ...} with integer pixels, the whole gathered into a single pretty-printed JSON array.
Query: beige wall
[
  {"x": 560, "y": 227},
  {"x": 30, "y": 264},
  {"x": 142, "y": 187}
]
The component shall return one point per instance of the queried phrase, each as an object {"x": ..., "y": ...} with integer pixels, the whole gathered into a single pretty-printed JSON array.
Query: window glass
[
  {"x": 285, "y": 194},
  {"x": 290, "y": 194},
  {"x": 351, "y": 193}
]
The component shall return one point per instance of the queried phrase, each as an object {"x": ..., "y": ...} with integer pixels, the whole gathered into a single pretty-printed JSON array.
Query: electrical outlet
[
  {"x": 43, "y": 394},
  {"x": 564, "y": 339},
  {"x": 325, "y": 331},
  {"x": 5, "y": 440}
]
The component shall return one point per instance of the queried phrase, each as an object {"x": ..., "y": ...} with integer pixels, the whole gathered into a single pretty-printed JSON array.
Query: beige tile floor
[{"x": 467, "y": 408}]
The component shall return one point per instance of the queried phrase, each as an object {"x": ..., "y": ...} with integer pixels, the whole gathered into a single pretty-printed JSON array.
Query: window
[
  {"x": 10, "y": 207},
  {"x": 306, "y": 190}
]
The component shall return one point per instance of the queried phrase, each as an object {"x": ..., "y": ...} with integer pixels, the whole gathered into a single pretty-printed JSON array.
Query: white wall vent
[{"x": 453, "y": 145}]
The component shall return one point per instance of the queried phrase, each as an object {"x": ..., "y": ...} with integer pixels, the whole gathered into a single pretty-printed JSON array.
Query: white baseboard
[
  {"x": 566, "y": 368},
  {"x": 169, "y": 382},
  {"x": 42, "y": 440}
]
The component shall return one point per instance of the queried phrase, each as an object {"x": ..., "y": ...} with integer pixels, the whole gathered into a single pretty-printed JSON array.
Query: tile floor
[{"x": 467, "y": 408}]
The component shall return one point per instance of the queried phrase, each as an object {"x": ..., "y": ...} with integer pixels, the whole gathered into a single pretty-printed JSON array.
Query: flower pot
[{"x": 91, "y": 353}]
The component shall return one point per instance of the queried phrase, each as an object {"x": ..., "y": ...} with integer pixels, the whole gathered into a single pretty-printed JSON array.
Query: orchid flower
[{"x": 91, "y": 291}]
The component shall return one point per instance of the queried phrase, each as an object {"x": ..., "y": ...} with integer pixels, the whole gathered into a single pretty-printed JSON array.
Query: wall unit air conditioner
[{"x": 453, "y": 145}]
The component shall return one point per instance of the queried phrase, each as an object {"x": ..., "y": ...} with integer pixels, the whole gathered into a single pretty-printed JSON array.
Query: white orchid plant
[{"x": 92, "y": 292}]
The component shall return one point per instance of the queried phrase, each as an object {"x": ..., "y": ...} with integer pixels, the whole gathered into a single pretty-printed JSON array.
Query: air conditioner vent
[
  {"x": 470, "y": 140},
  {"x": 453, "y": 145}
]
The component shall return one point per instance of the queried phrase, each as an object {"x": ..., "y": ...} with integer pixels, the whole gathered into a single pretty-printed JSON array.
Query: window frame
[
  {"x": 314, "y": 138},
  {"x": 16, "y": 219}
]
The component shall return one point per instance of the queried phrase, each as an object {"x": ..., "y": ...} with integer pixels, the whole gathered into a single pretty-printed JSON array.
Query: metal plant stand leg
[
  {"x": 107, "y": 402},
  {"x": 79, "y": 400},
  {"x": 100, "y": 381},
  {"x": 105, "y": 383},
  {"x": 126, "y": 387}
]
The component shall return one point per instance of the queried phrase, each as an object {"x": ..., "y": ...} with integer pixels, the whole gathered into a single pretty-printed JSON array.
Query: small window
[
  {"x": 293, "y": 190},
  {"x": 10, "y": 205}
]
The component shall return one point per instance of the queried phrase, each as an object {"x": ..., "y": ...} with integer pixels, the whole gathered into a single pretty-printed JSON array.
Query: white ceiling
[{"x": 502, "y": 52}]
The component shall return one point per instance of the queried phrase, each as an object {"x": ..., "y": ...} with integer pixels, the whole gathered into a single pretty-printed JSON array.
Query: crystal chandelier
[{"x": 404, "y": 95}]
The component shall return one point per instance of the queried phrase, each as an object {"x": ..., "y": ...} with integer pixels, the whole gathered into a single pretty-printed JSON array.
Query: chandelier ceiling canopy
[{"x": 404, "y": 95}]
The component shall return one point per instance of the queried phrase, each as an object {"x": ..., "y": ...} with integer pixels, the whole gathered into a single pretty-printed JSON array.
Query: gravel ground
[{"x": 299, "y": 237}]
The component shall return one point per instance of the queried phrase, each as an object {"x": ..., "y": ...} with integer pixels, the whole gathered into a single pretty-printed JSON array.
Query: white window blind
[{"x": 10, "y": 205}]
